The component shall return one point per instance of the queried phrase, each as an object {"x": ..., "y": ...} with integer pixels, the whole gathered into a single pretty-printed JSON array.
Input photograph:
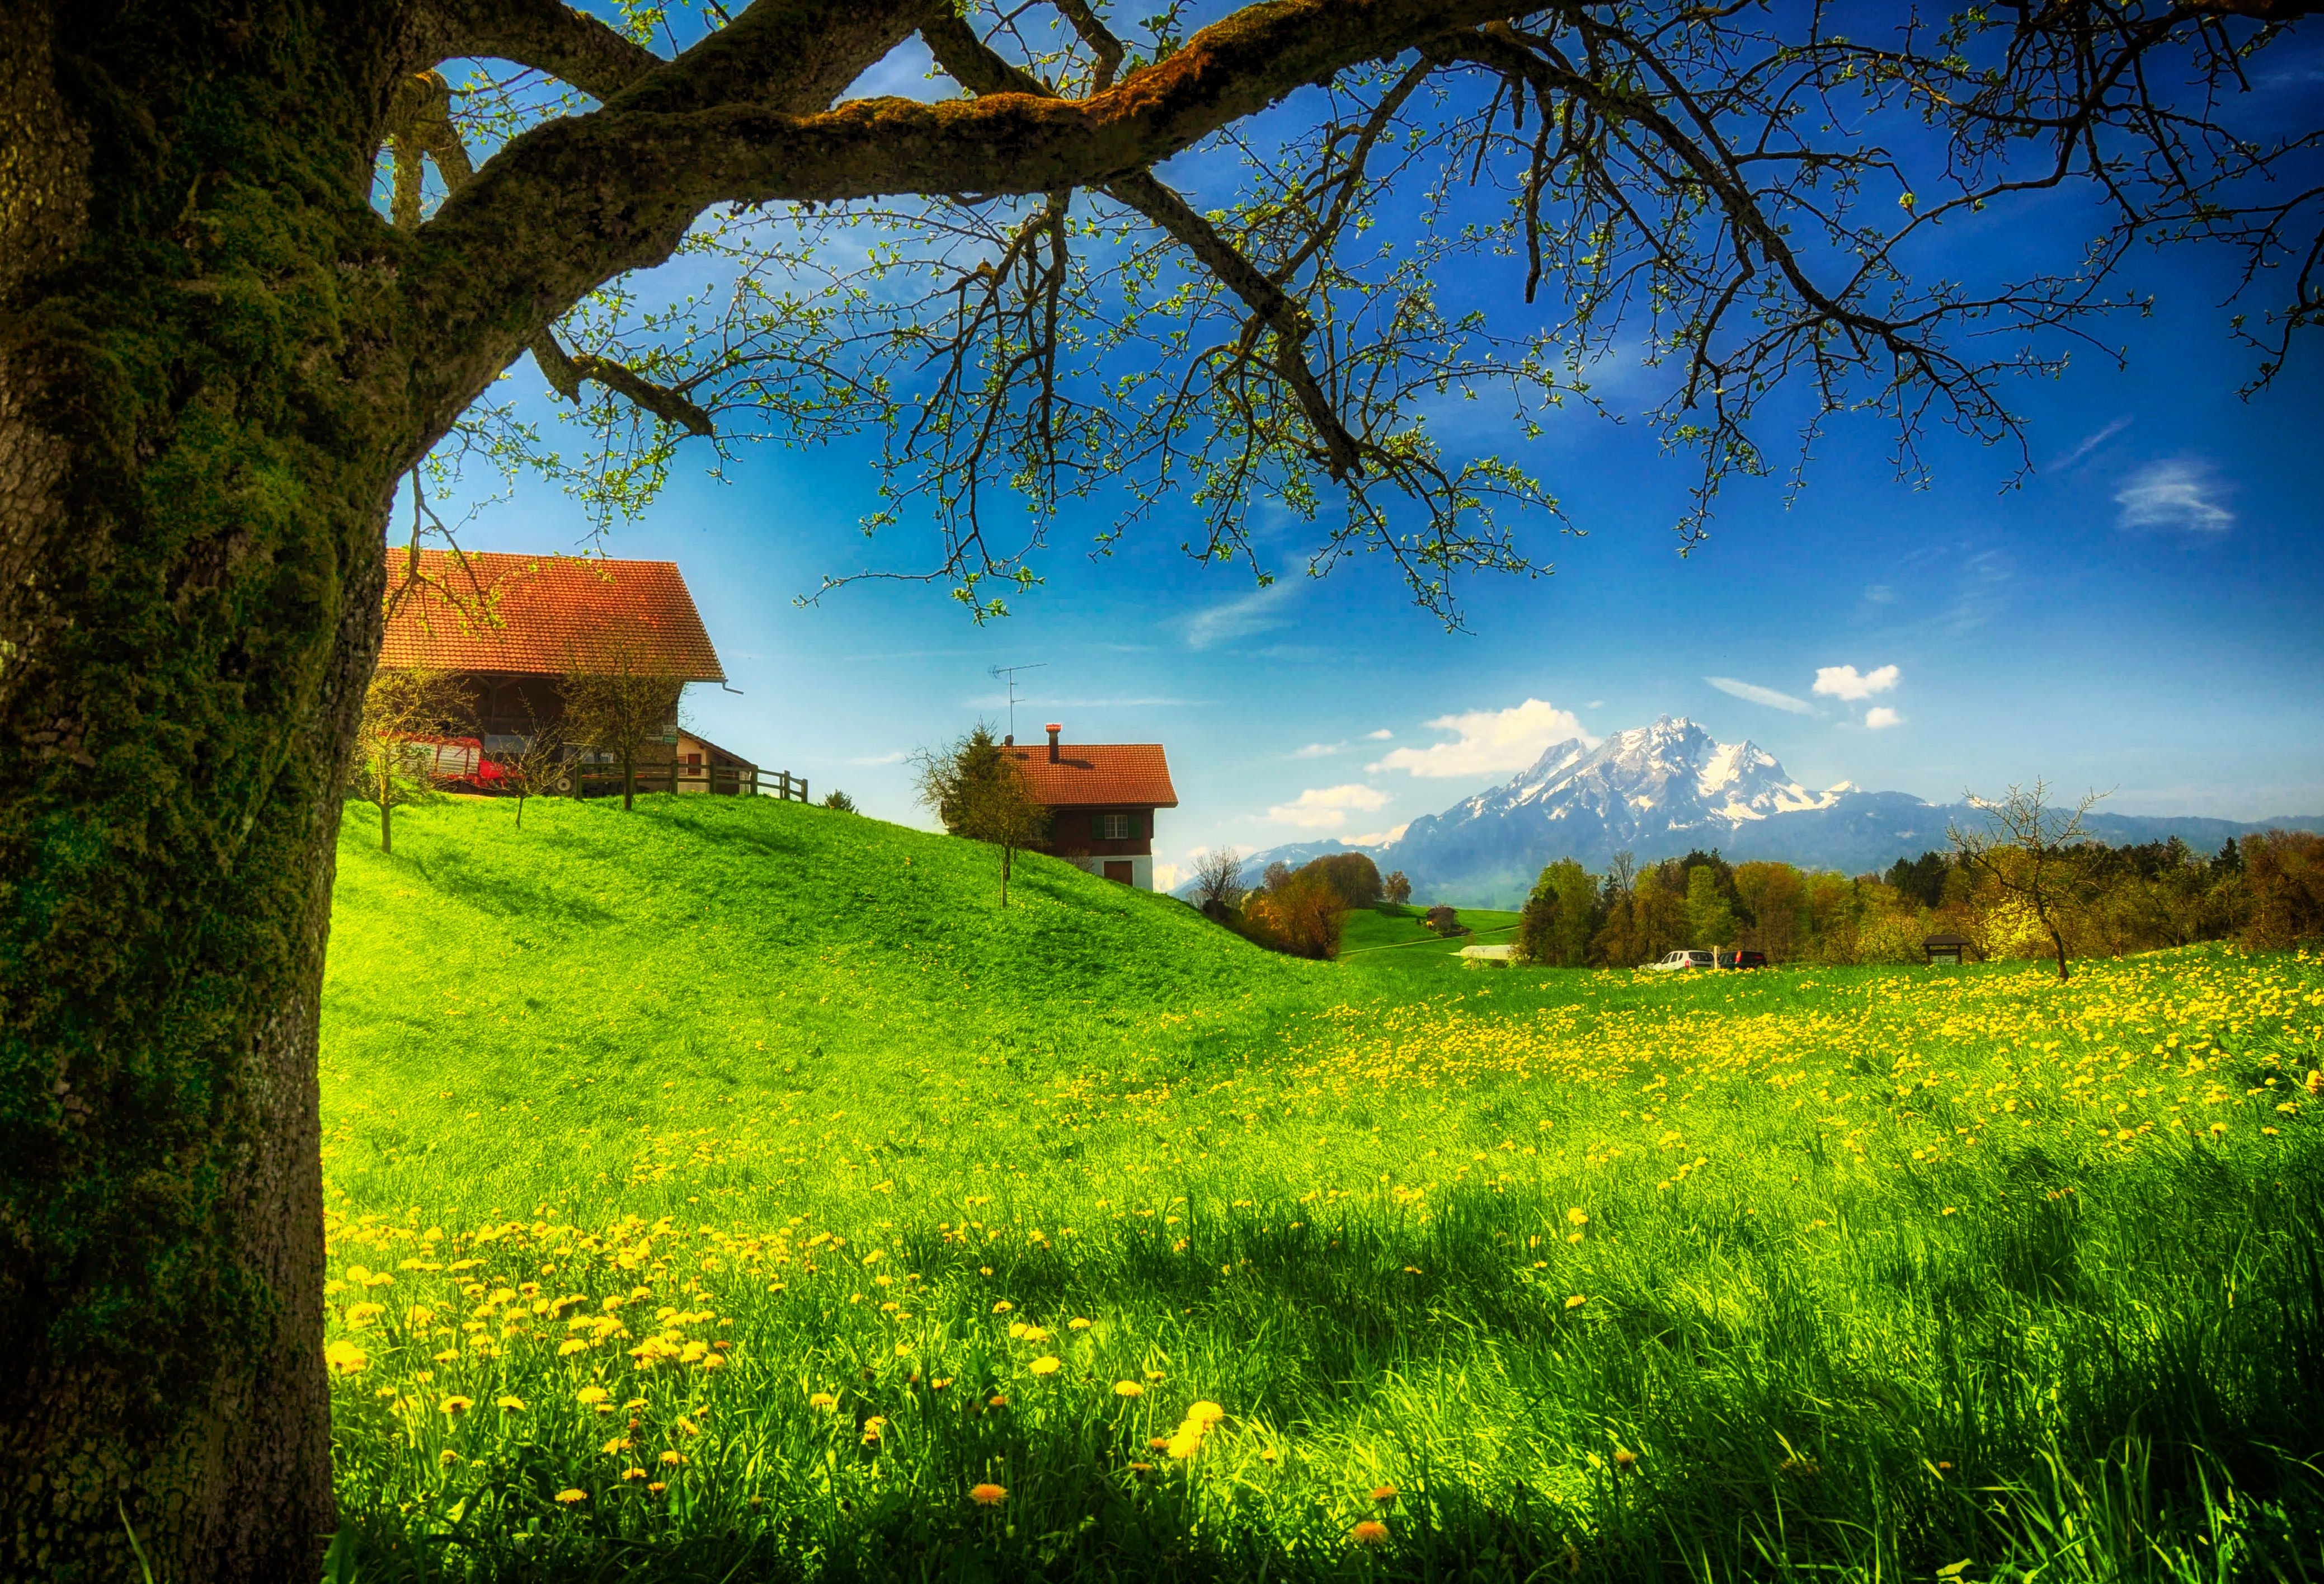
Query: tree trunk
[
  {"x": 629, "y": 781},
  {"x": 204, "y": 405},
  {"x": 386, "y": 823}
]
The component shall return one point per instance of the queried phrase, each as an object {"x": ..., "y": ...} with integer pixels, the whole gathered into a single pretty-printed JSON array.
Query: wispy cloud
[
  {"x": 2182, "y": 495},
  {"x": 1325, "y": 808},
  {"x": 1758, "y": 695},
  {"x": 2090, "y": 443},
  {"x": 1376, "y": 838},
  {"x": 1880, "y": 717},
  {"x": 1382, "y": 735},
  {"x": 1319, "y": 751},
  {"x": 1845, "y": 682},
  {"x": 895, "y": 758},
  {"x": 1259, "y": 610},
  {"x": 1487, "y": 743}
]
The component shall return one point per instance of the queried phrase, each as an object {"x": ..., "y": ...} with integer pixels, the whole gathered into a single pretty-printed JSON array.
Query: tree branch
[{"x": 546, "y": 35}]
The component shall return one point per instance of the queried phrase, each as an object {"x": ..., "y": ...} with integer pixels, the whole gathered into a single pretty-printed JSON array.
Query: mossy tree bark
[{"x": 215, "y": 362}]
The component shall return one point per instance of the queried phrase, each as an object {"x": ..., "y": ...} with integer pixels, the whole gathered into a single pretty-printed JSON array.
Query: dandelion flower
[
  {"x": 673, "y": 1459},
  {"x": 447, "y": 1457},
  {"x": 569, "y": 1496},
  {"x": 1384, "y": 1495},
  {"x": 1158, "y": 1443},
  {"x": 988, "y": 1495},
  {"x": 903, "y": 1350},
  {"x": 823, "y": 1400},
  {"x": 1079, "y": 1325},
  {"x": 1204, "y": 1414},
  {"x": 1370, "y": 1531},
  {"x": 656, "y": 1488},
  {"x": 1003, "y": 1307},
  {"x": 1576, "y": 1302},
  {"x": 1578, "y": 1217},
  {"x": 1625, "y": 1459},
  {"x": 345, "y": 1358},
  {"x": 509, "y": 1404},
  {"x": 873, "y": 1430},
  {"x": 591, "y": 1394},
  {"x": 570, "y": 1346},
  {"x": 1048, "y": 1364},
  {"x": 1127, "y": 1388},
  {"x": 456, "y": 1407},
  {"x": 634, "y": 1474}
]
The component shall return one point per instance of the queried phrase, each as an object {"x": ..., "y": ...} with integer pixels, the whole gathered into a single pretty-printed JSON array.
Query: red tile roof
[
  {"x": 1098, "y": 775},
  {"x": 548, "y": 615}
]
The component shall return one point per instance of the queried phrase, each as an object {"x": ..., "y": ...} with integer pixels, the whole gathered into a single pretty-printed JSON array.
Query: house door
[{"x": 1118, "y": 869}]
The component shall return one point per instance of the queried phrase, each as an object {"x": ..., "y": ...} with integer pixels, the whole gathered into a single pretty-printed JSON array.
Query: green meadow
[{"x": 732, "y": 1191}]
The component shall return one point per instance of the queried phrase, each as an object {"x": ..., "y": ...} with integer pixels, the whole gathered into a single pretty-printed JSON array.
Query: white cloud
[
  {"x": 1880, "y": 593},
  {"x": 2090, "y": 443},
  {"x": 895, "y": 758},
  {"x": 1880, "y": 717},
  {"x": 1844, "y": 682},
  {"x": 1375, "y": 838},
  {"x": 1595, "y": 703},
  {"x": 2172, "y": 495},
  {"x": 1382, "y": 735},
  {"x": 1327, "y": 807},
  {"x": 1253, "y": 612},
  {"x": 1758, "y": 695},
  {"x": 1318, "y": 751},
  {"x": 1167, "y": 877},
  {"x": 1489, "y": 741}
]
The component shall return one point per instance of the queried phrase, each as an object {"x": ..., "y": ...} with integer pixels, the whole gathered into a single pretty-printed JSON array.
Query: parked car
[
  {"x": 1678, "y": 960},
  {"x": 1742, "y": 959}
]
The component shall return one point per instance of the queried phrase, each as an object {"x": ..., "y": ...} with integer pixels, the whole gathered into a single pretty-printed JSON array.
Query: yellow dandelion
[
  {"x": 570, "y": 1346},
  {"x": 344, "y": 1357},
  {"x": 634, "y": 1474},
  {"x": 456, "y": 1407},
  {"x": 1576, "y": 1302},
  {"x": 1049, "y": 1364},
  {"x": 1003, "y": 1307},
  {"x": 569, "y": 1496},
  {"x": 656, "y": 1488},
  {"x": 1578, "y": 1217},
  {"x": 1127, "y": 1388},
  {"x": 1204, "y": 1414},
  {"x": 988, "y": 1495},
  {"x": 1625, "y": 1459},
  {"x": 1370, "y": 1531},
  {"x": 673, "y": 1459},
  {"x": 873, "y": 1430},
  {"x": 1079, "y": 1325},
  {"x": 823, "y": 1400},
  {"x": 1384, "y": 1495},
  {"x": 509, "y": 1404},
  {"x": 591, "y": 1394}
]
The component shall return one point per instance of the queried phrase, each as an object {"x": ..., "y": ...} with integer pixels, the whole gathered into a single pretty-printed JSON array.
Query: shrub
[
  {"x": 839, "y": 801},
  {"x": 1300, "y": 918},
  {"x": 2285, "y": 872}
]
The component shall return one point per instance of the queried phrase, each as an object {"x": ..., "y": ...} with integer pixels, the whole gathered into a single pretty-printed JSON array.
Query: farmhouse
[
  {"x": 511, "y": 628},
  {"x": 1101, "y": 797}
]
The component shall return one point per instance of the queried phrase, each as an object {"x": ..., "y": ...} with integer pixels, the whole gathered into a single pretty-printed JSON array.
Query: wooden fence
[{"x": 721, "y": 780}]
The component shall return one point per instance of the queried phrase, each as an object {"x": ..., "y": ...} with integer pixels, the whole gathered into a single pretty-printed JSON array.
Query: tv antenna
[{"x": 1009, "y": 674}]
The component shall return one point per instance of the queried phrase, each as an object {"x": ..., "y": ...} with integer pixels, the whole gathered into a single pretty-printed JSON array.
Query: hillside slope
[{"x": 542, "y": 974}]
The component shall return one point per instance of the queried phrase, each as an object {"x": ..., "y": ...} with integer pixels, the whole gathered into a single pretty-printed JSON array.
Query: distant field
[
  {"x": 726, "y": 1191},
  {"x": 1388, "y": 936}
]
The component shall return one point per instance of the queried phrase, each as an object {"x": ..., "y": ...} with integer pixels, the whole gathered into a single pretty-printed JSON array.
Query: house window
[{"x": 1113, "y": 827}]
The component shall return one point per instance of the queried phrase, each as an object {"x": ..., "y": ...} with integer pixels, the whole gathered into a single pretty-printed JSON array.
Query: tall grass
[{"x": 756, "y": 1138}]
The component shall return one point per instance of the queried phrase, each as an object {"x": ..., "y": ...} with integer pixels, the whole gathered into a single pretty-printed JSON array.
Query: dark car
[{"x": 1742, "y": 959}]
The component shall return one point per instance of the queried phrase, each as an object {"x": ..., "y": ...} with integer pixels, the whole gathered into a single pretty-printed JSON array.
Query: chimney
[{"x": 1054, "y": 730}]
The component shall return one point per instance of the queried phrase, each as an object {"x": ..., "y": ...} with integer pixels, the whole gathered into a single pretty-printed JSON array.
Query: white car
[{"x": 1678, "y": 960}]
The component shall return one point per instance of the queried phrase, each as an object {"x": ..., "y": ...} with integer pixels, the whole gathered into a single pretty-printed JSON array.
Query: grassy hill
[{"x": 731, "y": 1190}]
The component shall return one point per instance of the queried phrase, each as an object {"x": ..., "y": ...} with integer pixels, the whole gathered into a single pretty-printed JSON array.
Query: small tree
[
  {"x": 838, "y": 801},
  {"x": 388, "y": 768},
  {"x": 1559, "y": 917},
  {"x": 2025, "y": 851},
  {"x": 976, "y": 789},
  {"x": 1352, "y": 875},
  {"x": 1396, "y": 889},
  {"x": 1218, "y": 881},
  {"x": 532, "y": 767},
  {"x": 618, "y": 702},
  {"x": 1278, "y": 876}
]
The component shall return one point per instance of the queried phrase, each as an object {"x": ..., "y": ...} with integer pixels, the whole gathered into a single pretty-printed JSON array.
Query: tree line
[{"x": 2007, "y": 898}]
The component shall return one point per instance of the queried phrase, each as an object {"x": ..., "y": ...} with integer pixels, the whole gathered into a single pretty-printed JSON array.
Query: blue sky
[{"x": 2142, "y": 615}]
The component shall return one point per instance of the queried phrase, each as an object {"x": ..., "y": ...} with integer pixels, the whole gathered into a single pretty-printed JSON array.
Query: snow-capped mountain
[
  {"x": 1658, "y": 791},
  {"x": 1667, "y": 786}
]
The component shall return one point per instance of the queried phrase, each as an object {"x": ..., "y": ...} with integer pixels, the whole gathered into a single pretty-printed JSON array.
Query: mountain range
[{"x": 1658, "y": 791}]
